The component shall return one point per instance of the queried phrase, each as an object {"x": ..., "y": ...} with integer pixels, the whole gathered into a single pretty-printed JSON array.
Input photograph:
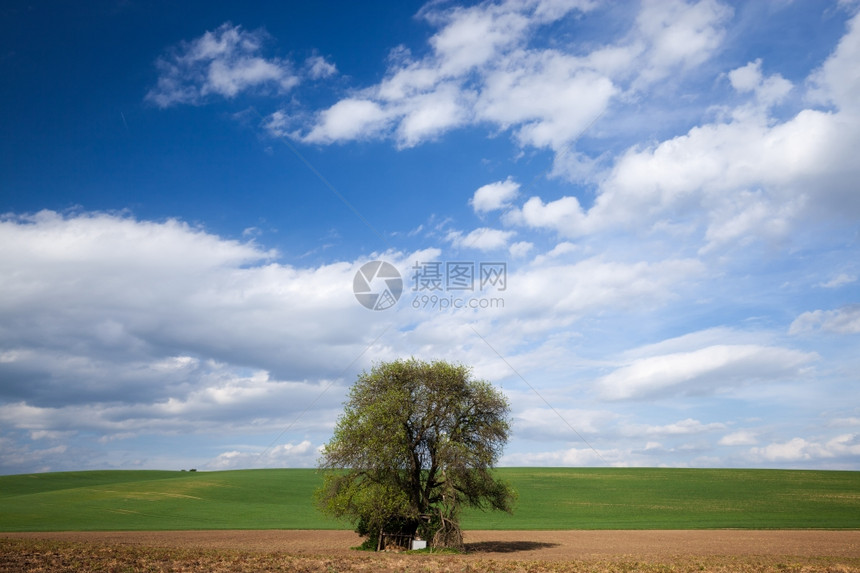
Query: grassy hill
[{"x": 550, "y": 498}]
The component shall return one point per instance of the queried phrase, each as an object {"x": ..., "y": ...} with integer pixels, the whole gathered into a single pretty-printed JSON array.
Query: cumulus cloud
[
  {"x": 547, "y": 97},
  {"x": 564, "y": 215},
  {"x": 483, "y": 239},
  {"x": 15, "y": 455},
  {"x": 561, "y": 292},
  {"x": 678, "y": 34},
  {"x": 97, "y": 278},
  {"x": 223, "y": 62},
  {"x": 685, "y": 427},
  {"x": 494, "y": 196},
  {"x": 426, "y": 116},
  {"x": 742, "y": 176},
  {"x": 216, "y": 399},
  {"x": 703, "y": 371},
  {"x": 290, "y": 455},
  {"x": 768, "y": 90},
  {"x": 352, "y": 118},
  {"x": 541, "y": 424},
  {"x": 803, "y": 450},
  {"x": 839, "y": 280},
  {"x": 117, "y": 327},
  {"x": 520, "y": 249},
  {"x": 318, "y": 67},
  {"x": 837, "y": 81},
  {"x": 746, "y": 176},
  {"x": 845, "y": 422},
  {"x": 486, "y": 65},
  {"x": 845, "y": 320},
  {"x": 739, "y": 438},
  {"x": 569, "y": 457}
]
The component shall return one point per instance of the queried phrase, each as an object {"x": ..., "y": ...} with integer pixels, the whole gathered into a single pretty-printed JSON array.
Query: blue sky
[{"x": 644, "y": 220}]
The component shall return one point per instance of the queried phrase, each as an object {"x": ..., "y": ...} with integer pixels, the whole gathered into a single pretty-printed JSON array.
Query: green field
[{"x": 550, "y": 498}]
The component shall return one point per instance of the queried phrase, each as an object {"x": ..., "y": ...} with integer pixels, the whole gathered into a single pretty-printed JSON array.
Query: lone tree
[{"x": 416, "y": 443}]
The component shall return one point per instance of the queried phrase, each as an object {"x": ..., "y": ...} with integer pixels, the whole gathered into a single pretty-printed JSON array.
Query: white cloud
[
  {"x": 558, "y": 293},
  {"x": 845, "y": 320},
  {"x": 565, "y": 216},
  {"x": 703, "y": 371},
  {"x": 351, "y": 118},
  {"x": 709, "y": 163},
  {"x": 288, "y": 455},
  {"x": 739, "y": 438},
  {"x": 747, "y": 78},
  {"x": 746, "y": 176},
  {"x": 419, "y": 100},
  {"x": 678, "y": 34},
  {"x": 223, "y": 62},
  {"x": 557, "y": 252},
  {"x": 472, "y": 36},
  {"x": 14, "y": 455},
  {"x": 210, "y": 401},
  {"x": 117, "y": 328},
  {"x": 685, "y": 427},
  {"x": 549, "y": 96},
  {"x": 487, "y": 65},
  {"x": 50, "y": 435},
  {"x": 801, "y": 449},
  {"x": 839, "y": 280},
  {"x": 541, "y": 424},
  {"x": 494, "y": 196},
  {"x": 520, "y": 249},
  {"x": 838, "y": 81},
  {"x": 768, "y": 91},
  {"x": 738, "y": 180},
  {"x": 584, "y": 457},
  {"x": 845, "y": 422},
  {"x": 277, "y": 124},
  {"x": 425, "y": 116},
  {"x": 483, "y": 239},
  {"x": 319, "y": 67},
  {"x": 125, "y": 326}
]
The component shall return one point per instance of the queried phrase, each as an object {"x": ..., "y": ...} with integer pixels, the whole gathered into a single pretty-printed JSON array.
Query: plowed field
[{"x": 697, "y": 550}]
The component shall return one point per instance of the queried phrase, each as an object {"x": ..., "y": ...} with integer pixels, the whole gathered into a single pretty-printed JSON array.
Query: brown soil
[
  {"x": 723, "y": 550},
  {"x": 506, "y": 544}
]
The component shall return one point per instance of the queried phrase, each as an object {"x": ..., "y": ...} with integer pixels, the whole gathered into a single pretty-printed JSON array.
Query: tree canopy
[{"x": 416, "y": 443}]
